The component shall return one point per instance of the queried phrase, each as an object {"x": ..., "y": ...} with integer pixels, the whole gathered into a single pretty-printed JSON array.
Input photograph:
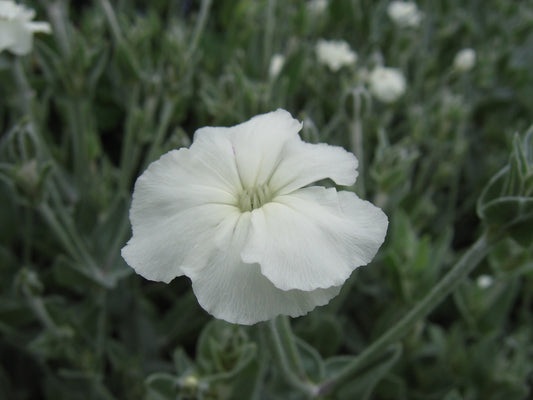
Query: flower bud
[
  {"x": 276, "y": 65},
  {"x": 484, "y": 281},
  {"x": 465, "y": 60}
]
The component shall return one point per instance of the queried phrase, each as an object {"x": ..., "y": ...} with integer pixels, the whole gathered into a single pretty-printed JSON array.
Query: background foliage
[{"x": 121, "y": 82}]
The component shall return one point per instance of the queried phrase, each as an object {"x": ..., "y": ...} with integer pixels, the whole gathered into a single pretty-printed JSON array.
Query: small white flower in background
[
  {"x": 484, "y": 281},
  {"x": 335, "y": 54},
  {"x": 17, "y": 27},
  {"x": 404, "y": 14},
  {"x": 317, "y": 7},
  {"x": 465, "y": 60},
  {"x": 276, "y": 65},
  {"x": 387, "y": 84},
  {"x": 235, "y": 213}
]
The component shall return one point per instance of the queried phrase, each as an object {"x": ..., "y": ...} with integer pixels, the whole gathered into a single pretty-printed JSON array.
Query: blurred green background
[{"x": 119, "y": 83}]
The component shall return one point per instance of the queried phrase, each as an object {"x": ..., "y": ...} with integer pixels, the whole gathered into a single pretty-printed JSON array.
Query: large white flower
[
  {"x": 235, "y": 213},
  {"x": 17, "y": 27},
  {"x": 387, "y": 84},
  {"x": 335, "y": 54}
]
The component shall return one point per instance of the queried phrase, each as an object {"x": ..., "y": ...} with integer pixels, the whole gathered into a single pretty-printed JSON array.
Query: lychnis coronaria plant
[{"x": 238, "y": 214}]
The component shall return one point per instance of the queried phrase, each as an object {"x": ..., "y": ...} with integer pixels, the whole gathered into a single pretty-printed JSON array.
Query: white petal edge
[
  {"x": 257, "y": 143},
  {"x": 39, "y": 27},
  {"x": 314, "y": 238},
  {"x": 237, "y": 292},
  {"x": 8, "y": 34},
  {"x": 176, "y": 202},
  {"x": 304, "y": 163}
]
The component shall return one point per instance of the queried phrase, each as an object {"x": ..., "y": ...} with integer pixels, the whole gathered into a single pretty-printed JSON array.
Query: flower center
[{"x": 252, "y": 198}]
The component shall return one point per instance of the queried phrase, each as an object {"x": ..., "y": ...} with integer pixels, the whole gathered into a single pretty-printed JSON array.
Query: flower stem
[
  {"x": 464, "y": 266},
  {"x": 199, "y": 28},
  {"x": 269, "y": 33},
  {"x": 287, "y": 356},
  {"x": 287, "y": 337},
  {"x": 356, "y": 138}
]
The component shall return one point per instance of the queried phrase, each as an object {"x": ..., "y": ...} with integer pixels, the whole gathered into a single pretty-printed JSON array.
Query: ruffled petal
[
  {"x": 39, "y": 26},
  {"x": 256, "y": 143},
  {"x": 237, "y": 292},
  {"x": 14, "y": 37},
  {"x": 160, "y": 246},
  {"x": 314, "y": 238},
  {"x": 176, "y": 202},
  {"x": 304, "y": 163}
]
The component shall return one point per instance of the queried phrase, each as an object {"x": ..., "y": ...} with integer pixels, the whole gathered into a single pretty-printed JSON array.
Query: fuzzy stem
[
  {"x": 464, "y": 266},
  {"x": 199, "y": 28},
  {"x": 285, "y": 350}
]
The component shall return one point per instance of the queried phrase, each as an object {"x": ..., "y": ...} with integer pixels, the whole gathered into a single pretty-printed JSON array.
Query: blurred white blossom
[
  {"x": 335, "y": 54},
  {"x": 404, "y": 14},
  {"x": 387, "y": 84},
  {"x": 465, "y": 60},
  {"x": 317, "y": 7},
  {"x": 276, "y": 65},
  {"x": 484, "y": 281},
  {"x": 17, "y": 27},
  {"x": 235, "y": 213}
]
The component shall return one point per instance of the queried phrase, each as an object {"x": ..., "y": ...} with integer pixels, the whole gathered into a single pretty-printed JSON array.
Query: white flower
[
  {"x": 465, "y": 60},
  {"x": 387, "y": 84},
  {"x": 235, "y": 213},
  {"x": 335, "y": 53},
  {"x": 404, "y": 14},
  {"x": 17, "y": 28},
  {"x": 276, "y": 65},
  {"x": 317, "y": 7},
  {"x": 484, "y": 281}
]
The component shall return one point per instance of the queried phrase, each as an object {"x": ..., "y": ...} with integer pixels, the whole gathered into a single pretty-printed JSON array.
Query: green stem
[
  {"x": 464, "y": 266},
  {"x": 59, "y": 231},
  {"x": 100, "y": 342},
  {"x": 356, "y": 138},
  {"x": 72, "y": 232},
  {"x": 78, "y": 133},
  {"x": 119, "y": 38},
  {"x": 57, "y": 13},
  {"x": 287, "y": 337},
  {"x": 155, "y": 146},
  {"x": 357, "y": 145},
  {"x": 24, "y": 88},
  {"x": 28, "y": 244},
  {"x": 285, "y": 359},
  {"x": 112, "y": 20},
  {"x": 269, "y": 33},
  {"x": 39, "y": 309},
  {"x": 199, "y": 28}
]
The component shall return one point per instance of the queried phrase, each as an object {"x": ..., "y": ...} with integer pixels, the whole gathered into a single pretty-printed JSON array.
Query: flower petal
[
  {"x": 257, "y": 143},
  {"x": 175, "y": 202},
  {"x": 14, "y": 37},
  {"x": 39, "y": 26},
  {"x": 304, "y": 163},
  {"x": 237, "y": 292},
  {"x": 314, "y": 238}
]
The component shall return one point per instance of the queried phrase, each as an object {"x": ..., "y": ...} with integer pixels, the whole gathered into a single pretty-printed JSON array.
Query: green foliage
[
  {"x": 119, "y": 83},
  {"x": 507, "y": 200}
]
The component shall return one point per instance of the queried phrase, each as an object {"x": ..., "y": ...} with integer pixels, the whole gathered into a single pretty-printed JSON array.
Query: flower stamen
[{"x": 255, "y": 197}]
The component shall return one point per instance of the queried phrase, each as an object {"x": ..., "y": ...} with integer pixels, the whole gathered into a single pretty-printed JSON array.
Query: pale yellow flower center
[{"x": 255, "y": 197}]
